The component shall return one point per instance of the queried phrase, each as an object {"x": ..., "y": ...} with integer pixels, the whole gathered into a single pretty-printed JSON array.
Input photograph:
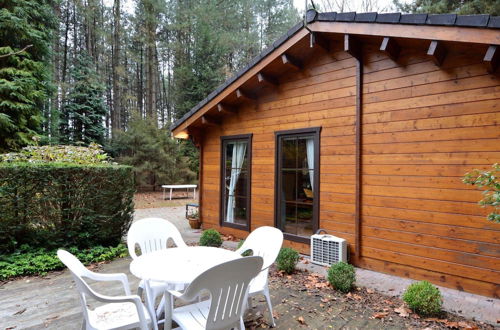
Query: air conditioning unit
[{"x": 327, "y": 249}]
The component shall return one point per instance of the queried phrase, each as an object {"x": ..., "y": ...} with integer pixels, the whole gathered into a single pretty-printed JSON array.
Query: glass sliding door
[
  {"x": 235, "y": 181},
  {"x": 297, "y": 191}
]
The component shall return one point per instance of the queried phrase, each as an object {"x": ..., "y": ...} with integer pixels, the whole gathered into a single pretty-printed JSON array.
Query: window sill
[
  {"x": 235, "y": 226},
  {"x": 298, "y": 239}
]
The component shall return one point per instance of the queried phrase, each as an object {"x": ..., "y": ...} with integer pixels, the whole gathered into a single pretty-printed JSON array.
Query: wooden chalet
[{"x": 362, "y": 125}]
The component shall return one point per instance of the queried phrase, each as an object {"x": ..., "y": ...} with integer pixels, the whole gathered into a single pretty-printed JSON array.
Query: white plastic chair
[
  {"x": 227, "y": 285},
  {"x": 264, "y": 242},
  {"x": 153, "y": 234},
  {"x": 120, "y": 312}
]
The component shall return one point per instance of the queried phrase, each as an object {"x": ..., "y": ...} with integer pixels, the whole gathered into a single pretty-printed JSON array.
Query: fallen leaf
[
  {"x": 466, "y": 325},
  {"x": 321, "y": 285},
  {"x": 370, "y": 291},
  {"x": 451, "y": 324},
  {"x": 354, "y": 296},
  {"x": 301, "y": 320},
  {"x": 402, "y": 311},
  {"x": 325, "y": 300},
  {"x": 380, "y": 315}
]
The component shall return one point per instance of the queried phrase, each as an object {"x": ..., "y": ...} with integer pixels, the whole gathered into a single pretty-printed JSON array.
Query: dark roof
[{"x": 478, "y": 21}]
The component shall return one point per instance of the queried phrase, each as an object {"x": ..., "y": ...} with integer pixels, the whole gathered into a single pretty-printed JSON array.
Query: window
[
  {"x": 236, "y": 155},
  {"x": 297, "y": 183}
]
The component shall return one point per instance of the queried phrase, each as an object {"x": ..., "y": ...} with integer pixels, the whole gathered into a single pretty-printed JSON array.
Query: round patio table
[{"x": 178, "y": 266}]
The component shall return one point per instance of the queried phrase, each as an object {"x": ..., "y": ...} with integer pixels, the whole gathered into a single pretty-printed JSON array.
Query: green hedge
[{"x": 52, "y": 205}]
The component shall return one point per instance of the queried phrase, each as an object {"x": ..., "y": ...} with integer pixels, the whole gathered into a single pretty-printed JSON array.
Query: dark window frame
[
  {"x": 223, "y": 142},
  {"x": 316, "y": 132}
]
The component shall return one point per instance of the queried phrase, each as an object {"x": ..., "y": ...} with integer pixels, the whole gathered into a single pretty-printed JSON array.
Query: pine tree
[
  {"x": 155, "y": 155},
  {"x": 83, "y": 114},
  {"x": 277, "y": 16},
  {"x": 26, "y": 28}
]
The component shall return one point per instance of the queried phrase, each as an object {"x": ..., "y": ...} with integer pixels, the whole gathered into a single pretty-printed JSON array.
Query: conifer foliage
[
  {"x": 26, "y": 28},
  {"x": 82, "y": 118}
]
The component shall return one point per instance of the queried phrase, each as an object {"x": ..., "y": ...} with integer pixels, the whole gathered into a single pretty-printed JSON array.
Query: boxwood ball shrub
[
  {"x": 423, "y": 298},
  {"x": 287, "y": 260},
  {"x": 342, "y": 276},
  {"x": 55, "y": 205},
  {"x": 210, "y": 237}
]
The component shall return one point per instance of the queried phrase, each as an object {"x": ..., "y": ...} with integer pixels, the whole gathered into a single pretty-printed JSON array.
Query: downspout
[
  {"x": 310, "y": 17},
  {"x": 359, "y": 127}
]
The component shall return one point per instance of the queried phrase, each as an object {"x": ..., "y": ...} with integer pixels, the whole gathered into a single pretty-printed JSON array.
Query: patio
[
  {"x": 52, "y": 303},
  {"x": 302, "y": 300}
]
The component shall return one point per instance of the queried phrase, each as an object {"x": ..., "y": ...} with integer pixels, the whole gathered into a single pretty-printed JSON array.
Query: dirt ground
[
  {"x": 154, "y": 199},
  {"x": 306, "y": 301}
]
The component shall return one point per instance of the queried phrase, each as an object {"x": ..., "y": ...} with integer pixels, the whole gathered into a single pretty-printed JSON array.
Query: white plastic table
[
  {"x": 178, "y": 266},
  {"x": 178, "y": 186}
]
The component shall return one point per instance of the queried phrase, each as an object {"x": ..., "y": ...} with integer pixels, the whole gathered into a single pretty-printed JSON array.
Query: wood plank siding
[{"x": 423, "y": 127}]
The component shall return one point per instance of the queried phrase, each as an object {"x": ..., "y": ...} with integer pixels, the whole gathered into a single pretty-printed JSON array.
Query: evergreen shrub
[
  {"x": 210, "y": 237},
  {"x": 342, "y": 276},
  {"x": 55, "y": 205},
  {"x": 287, "y": 260},
  {"x": 423, "y": 298}
]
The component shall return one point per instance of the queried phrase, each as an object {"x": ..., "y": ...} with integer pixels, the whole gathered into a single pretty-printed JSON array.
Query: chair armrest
[
  {"x": 176, "y": 293},
  {"x": 120, "y": 277},
  {"x": 181, "y": 296}
]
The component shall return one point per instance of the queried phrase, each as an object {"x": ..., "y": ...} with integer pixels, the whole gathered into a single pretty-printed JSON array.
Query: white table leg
[
  {"x": 150, "y": 305},
  {"x": 168, "y": 311},
  {"x": 163, "y": 193},
  {"x": 170, "y": 193},
  {"x": 194, "y": 193}
]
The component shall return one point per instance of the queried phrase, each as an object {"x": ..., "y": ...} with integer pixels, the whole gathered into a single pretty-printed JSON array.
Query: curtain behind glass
[
  {"x": 310, "y": 159},
  {"x": 239, "y": 149}
]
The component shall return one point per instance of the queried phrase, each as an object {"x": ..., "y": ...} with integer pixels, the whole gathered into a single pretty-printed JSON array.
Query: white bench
[{"x": 179, "y": 186}]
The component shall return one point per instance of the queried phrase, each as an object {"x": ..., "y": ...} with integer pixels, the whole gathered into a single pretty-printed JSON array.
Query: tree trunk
[
  {"x": 140, "y": 76},
  {"x": 150, "y": 61},
  {"x": 116, "y": 117},
  {"x": 53, "y": 129}
]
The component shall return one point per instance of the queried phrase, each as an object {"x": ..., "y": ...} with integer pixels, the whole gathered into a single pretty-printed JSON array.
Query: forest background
[{"x": 74, "y": 72}]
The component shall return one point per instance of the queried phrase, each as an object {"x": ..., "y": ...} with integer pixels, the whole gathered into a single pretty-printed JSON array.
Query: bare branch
[{"x": 15, "y": 53}]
